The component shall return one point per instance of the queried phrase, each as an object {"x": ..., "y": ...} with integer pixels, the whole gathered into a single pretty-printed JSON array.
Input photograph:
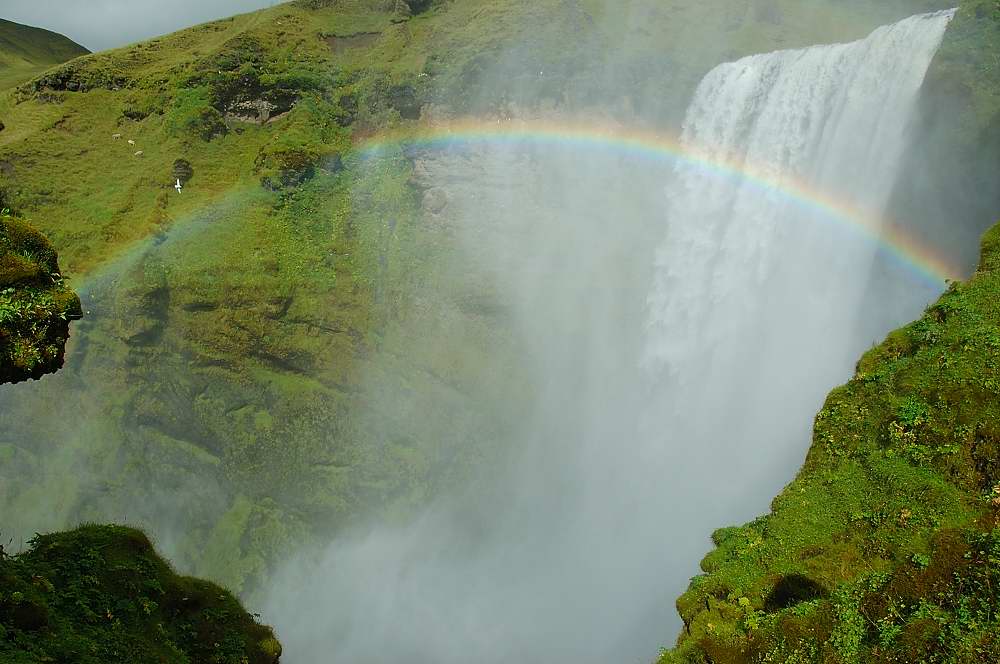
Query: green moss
[
  {"x": 896, "y": 512},
  {"x": 35, "y": 304},
  {"x": 102, "y": 594}
]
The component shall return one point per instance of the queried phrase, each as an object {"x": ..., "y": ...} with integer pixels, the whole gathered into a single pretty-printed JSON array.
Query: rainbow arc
[{"x": 893, "y": 238}]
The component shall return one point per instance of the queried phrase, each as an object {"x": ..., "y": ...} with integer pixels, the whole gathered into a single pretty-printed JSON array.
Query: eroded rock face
[{"x": 36, "y": 306}]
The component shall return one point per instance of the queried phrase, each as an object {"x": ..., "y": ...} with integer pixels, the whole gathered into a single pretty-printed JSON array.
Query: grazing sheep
[
  {"x": 139, "y": 153},
  {"x": 131, "y": 142},
  {"x": 117, "y": 137}
]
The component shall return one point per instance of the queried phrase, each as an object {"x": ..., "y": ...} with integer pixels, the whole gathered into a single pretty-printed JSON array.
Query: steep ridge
[{"x": 24, "y": 51}]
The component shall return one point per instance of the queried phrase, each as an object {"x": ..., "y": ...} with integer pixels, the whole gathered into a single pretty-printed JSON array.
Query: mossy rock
[
  {"x": 283, "y": 168},
  {"x": 102, "y": 594},
  {"x": 36, "y": 306}
]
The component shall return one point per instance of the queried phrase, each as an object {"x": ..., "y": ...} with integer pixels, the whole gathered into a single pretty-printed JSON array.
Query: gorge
[
  {"x": 466, "y": 352},
  {"x": 757, "y": 308}
]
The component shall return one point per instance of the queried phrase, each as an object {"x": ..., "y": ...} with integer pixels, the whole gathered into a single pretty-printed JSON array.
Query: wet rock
[
  {"x": 285, "y": 168},
  {"x": 403, "y": 98},
  {"x": 435, "y": 200}
]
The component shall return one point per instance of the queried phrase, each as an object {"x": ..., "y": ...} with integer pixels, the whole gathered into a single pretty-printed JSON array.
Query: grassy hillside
[
  {"x": 25, "y": 51},
  {"x": 285, "y": 344},
  {"x": 886, "y": 547},
  {"x": 101, "y": 594}
]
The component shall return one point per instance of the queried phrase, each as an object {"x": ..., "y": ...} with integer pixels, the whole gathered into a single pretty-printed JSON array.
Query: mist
[{"x": 677, "y": 330}]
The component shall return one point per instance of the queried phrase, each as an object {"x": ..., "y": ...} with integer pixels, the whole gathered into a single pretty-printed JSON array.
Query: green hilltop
[{"x": 25, "y": 51}]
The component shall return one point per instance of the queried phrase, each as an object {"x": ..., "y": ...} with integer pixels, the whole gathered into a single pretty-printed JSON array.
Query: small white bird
[{"x": 178, "y": 185}]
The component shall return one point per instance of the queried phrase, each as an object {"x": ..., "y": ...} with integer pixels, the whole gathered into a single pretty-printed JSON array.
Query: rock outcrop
[{"x": 36, "y": 306}]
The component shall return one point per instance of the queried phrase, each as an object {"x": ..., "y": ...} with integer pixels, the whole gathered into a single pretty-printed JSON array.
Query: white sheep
[
  {"x": 117, "y": 137},
  {"x": 139, "y": 153},
  {"x": 131, "y": 142}
]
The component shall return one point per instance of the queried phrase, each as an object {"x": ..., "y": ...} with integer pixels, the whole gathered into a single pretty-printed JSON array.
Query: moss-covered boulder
[
  {"x": 101, "y": 594},
  {"x": 35, "y": 304}
]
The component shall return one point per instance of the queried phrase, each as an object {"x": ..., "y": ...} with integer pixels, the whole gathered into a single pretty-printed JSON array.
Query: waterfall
[
  {"x": 650, "y": 423},
  {"x": 756, "y": 304}
]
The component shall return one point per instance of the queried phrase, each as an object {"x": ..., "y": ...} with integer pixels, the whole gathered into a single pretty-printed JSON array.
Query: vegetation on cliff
[
  {"x": 36, "y": 306},
  {"x": 886, "y": 547},
  {"x": 101, "y": 594}
]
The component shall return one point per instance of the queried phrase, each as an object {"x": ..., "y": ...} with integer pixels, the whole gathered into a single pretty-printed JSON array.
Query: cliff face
[
  {"x": 101, "y": 594},
  {"x": 886, "y": 547},
  {"x": 35, "y": 304}
]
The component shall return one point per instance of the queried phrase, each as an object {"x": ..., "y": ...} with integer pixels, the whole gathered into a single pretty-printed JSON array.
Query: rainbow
[{"x": 903, "y": 247}]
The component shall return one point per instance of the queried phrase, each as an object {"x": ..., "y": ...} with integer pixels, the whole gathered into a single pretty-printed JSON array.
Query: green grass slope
[
  {"x": 101, "y": 594},
  {"x": 25, "y": 51},
  {"x": 287, "y": 344}
]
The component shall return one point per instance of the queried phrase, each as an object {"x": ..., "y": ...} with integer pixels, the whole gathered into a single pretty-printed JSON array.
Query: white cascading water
[
  {"x": 651, "y": 422},
  {"x": 755, "y": 310}
]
